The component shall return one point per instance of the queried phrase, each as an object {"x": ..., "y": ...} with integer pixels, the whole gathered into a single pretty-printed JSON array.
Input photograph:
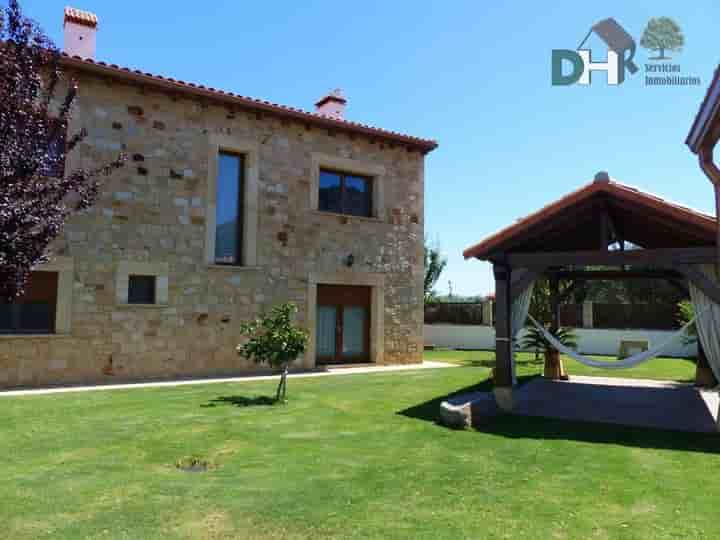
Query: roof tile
[
  {"x": 492, "y": 242},
  {"x": 79, "y": 16},
  {"x": 417, "y": 143}
]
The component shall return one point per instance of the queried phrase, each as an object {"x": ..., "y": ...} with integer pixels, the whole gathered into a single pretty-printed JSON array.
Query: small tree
[
  {"x": 661, "y": 34},
  {"x": 274, "y": 340},
  {"x": 434, "y": 265},
  {"x": 36, "y": 197}
]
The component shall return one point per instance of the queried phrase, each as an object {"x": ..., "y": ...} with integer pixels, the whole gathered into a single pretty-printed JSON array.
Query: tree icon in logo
[{"x": 661, "y": 34}]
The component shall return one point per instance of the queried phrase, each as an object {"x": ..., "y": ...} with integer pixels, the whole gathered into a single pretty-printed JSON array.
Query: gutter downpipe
[{"x": 711, "y": 170}]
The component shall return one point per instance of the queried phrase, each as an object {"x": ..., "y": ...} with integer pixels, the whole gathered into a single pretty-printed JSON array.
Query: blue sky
[{"x": 473, "y": 75}]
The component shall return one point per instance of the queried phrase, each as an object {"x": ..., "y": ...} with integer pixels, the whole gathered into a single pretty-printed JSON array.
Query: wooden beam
[
  {"x": 504, "y": 368},
  {"x": 665, "y": 224},
  {"x": 663, "y": 258},
  {"x": 616, "y": 274},
  {"x": 559, "y": 225},
  {"x": 604, "y": 228},
  {"x": 680, "y": 286},
  {"x": 701, "y": 281},
  {"x": 614, "y": 229}
]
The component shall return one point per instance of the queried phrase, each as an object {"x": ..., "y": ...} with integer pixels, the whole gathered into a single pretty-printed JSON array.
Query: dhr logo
[{"x": 618, "y": 41}]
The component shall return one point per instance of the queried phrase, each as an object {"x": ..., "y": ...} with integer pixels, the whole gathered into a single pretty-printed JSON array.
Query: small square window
[
  {"x": 344, "y": 193},
  {"x": 141, "y": 289},
  {"x": 34, "y": 312}
]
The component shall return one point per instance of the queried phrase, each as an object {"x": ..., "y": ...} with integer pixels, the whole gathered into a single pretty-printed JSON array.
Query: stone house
[{"x": 227, "y": 206}]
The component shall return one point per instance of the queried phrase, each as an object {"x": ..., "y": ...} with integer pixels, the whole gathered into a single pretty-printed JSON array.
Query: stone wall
[{"x": 155, "y": 211}]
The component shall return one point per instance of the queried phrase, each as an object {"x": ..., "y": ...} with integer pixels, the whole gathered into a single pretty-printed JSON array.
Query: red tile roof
[
  {"x": 81, "y": 17},
  {"x": 243, "y": 102},
  {"x": 622, "y": 191}
]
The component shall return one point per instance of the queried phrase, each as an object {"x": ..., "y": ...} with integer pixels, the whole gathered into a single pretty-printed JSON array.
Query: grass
[
  {"x": 352, "y": 456},
  {"x": 671, "y": 369}
]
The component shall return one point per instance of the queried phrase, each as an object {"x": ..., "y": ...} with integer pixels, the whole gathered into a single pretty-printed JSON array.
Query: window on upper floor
[
  {"x": 34, "y": 312},
  {"x": 141, "y": 289},
  {"x": 345, "y": 193},
  {"x": 229, "y": 214}
]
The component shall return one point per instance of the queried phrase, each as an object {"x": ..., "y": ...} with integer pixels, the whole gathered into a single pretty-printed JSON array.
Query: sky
[{"x": 473, "y": 75}]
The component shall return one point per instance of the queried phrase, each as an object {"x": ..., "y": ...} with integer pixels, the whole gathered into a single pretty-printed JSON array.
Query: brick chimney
[
  {"x": 332, "y": 104},
  {"x": 80, "y": 28}
]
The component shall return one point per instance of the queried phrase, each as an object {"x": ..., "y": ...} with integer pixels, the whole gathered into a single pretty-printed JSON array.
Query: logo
[
  {"x": 661, "y": 36},
  {"x": 621, "y": 50}
]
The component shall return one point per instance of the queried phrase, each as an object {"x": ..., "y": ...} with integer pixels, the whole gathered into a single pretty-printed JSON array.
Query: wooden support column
[
  {"x": 504, "y": 376},
  {"x": 605, "y": 225},
  {"x": 554, "y": 368},
  {"x": 554, "y": 305},
  {"x": 704, "y": 376}
]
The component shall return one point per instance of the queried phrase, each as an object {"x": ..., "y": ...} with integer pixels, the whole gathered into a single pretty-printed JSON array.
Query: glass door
[
  {"x": 353, "y": 332},
  {"x": 343, "y": 324}
]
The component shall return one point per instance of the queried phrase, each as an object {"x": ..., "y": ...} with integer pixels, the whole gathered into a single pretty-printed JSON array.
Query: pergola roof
[{"x": 574, "y": 222}]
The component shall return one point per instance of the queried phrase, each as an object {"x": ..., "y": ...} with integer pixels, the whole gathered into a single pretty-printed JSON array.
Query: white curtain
[
  {"x": 707, "y": 313},
  {"x": 520, "y": 308},
  {"x": 518, "y": 316}
]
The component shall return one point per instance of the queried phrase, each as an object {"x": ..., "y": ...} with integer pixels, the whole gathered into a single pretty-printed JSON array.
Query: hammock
[{"x": 625, "y": 363}]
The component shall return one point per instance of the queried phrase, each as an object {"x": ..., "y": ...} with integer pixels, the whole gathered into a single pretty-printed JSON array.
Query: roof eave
[
  {"x": 109, "y": 70},
  {"x": 491, "y": 246},
  {"x": 707, "y": 115}
]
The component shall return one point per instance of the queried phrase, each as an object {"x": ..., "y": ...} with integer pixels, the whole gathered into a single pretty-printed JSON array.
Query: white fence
[{"x": 590, "y": 340}]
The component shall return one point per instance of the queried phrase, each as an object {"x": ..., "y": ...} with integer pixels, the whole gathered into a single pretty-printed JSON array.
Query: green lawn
[
  {"x": 352, "y": 456},
  {"x": 672, "y": 369}
]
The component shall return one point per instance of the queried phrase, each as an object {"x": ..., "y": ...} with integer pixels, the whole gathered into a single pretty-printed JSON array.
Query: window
[
  {"x": 142, "y": 283},
  {"x": 141, "y": 289},
  {"x": 345, "y": 193},
  {"x": 34, "y": 312},
  {"x": 229, "y": 216}
]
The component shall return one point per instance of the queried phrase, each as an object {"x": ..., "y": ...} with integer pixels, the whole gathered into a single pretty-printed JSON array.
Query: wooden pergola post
[
  {"x": 704, "y": 376},
  {"x": 504, "y": 377},
  {"x": 554, "y": 368}
]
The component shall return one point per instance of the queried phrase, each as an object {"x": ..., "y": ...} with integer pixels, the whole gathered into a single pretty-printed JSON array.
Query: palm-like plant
[{"x": 535, "y": 340}]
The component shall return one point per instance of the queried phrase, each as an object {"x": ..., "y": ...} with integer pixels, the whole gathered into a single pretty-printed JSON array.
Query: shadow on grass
[
  {"x": 525, "y": 427},
  {"x": 491, "y": 363},
  {"x": 429, "y": 410},
  {"x": 541, "y": 428},
  {"x": 241, "y": 401}
]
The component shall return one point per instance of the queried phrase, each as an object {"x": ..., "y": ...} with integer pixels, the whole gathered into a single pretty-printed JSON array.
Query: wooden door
[{"x": 343, "y": 324}]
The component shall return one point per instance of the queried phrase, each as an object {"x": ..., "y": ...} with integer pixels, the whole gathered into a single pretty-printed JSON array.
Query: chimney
[
  {"x": 602, "y": 177},
  {"x": 332, "y": 105},
  {"x": 80, "y": 28}
]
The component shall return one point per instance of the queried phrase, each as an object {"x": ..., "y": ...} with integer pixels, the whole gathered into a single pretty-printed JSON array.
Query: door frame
[
  {"x": 341, "y": 297},
  {"x": 376, "y": 282}
]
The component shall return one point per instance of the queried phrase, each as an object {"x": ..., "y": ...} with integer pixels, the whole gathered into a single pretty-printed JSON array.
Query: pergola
[{"x": 628, "y": 233}]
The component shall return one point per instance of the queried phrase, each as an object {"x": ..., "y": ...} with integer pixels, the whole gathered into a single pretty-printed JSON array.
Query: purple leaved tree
[{"x": 36, "y": 196}]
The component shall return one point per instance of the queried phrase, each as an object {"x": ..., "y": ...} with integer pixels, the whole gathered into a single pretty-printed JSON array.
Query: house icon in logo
[{"x": 621, "y": 49}]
